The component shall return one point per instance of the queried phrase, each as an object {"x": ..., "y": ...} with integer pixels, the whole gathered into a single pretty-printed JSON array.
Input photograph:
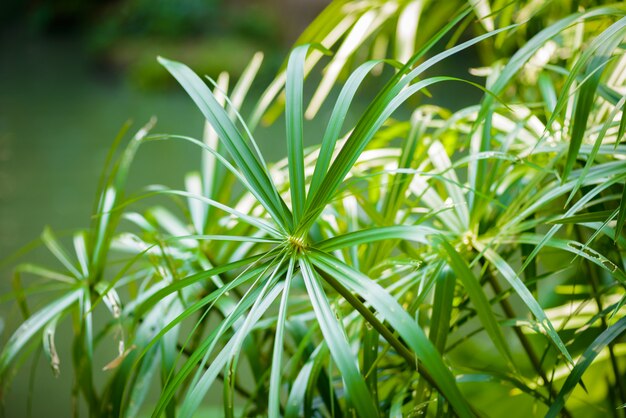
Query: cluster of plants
[{"x": 447, "y": 263}]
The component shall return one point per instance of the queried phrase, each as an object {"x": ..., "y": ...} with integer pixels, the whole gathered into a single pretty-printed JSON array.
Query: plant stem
[
  {"x": 594, "y": 282},
  {"x": 238, "y": 388},
  {"x": 526, "y": 345},
  {"x": 384, "y": 331}
]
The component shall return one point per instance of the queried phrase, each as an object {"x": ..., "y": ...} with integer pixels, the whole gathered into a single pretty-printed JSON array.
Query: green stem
[
  {"x": 526, "y": 345},
  {"x": 238, "y": 388},
  {"x": 384, "y": 331},
  {"x": 594, "y": 282}
]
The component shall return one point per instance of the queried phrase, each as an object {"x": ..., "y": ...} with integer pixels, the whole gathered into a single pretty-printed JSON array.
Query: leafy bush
[{"x": 461, "y": 263}]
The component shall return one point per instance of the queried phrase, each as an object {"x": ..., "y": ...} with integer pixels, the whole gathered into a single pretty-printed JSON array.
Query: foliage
[{"x": 465, "y": 263}]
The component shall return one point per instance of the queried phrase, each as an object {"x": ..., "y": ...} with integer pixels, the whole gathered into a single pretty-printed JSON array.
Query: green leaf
[
  {"x": 262, "y": 187},
  {"x": 199, "y": 357},
  {"x": 396, "y": 92},
  {"x": 400, "y": 320},
  {"x": 142, "y": 382},
  {"x": 365, "y": 23},
  {"x": 262, "y": 301},
  {"x": 478, "y": 170},
  {"x": 573, "y": 247},
  {"x": 244, "y": 83},
  {"x": 603, "y": 47},
  {"x": 257, "y": 222},
  {"x": 622, "y": 127},
  {"x": 335, "y": 122},
  {"x": 442, "y": 309},
  {"x": 297, "y": 401},
  {"x": 511, "y": 277},
  {"x": 211, "y": 149},
  {"x": 440, "y": 160},
  {"x": 160, "y": 294},
  {"x": 596, "y": 147},
  {"x": 416, "y": 233},
  {"x": 586, "y": 198},
  {"x": 479, "y": 300},
  {"x": 35, "y": 323},
  {"x": 59, "y": 252},
  {"x": 548, "y": 93},
  {"x": 45, "y": 273},
  {"x": 294, "y": 121},
  {"x": 621, "y": 217},
  {"x": 584, "y": 217},
  {"x": 583, "y": 363},
  {"x": 400, "y": 182},
  {"x": 277, "y": 354},
  {"x": 334, "y": 335},
  {"x": 211, "y": 172}
]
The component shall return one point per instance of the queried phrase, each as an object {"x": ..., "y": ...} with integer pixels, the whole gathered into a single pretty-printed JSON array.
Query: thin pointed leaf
[
  {"x": 479, "y": 300},
  {"x": 199, "y": 356},
  {"x": 584, "y": 217},
  {"x": 391, "y": 97},
  {"x": 262, "y": 186},
  {"x": 262, "y": 302},
  {"x": 415, "y": 233},
  {"x": 442, "y": 309},
  {"x": 575, "y": 376},
  {"x": 33, "y": 325},
  {"x": 478, "y": 169},
  {"x": 621, "y": 217},
  {"x": 209, "y": 168},
  {"x": 334, "y": 335},
  {"x": 400, "y": 320},
  {"x": 605, "y": 44},
  {"x": 242, "y": 87},
  {"x": 591, "y": 158},
  {"x": 277, "y": 354},
  {"x": 622, "y": 126},
  {"x": 522, "y": 291},
  {"x": 59, "y": 252},
  {"x": 297, "y": 396},
  {"x": 294, "y": 121},
  {"x": 335, "y": 122}
]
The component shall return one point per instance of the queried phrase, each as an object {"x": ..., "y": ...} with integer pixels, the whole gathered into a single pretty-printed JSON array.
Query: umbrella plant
[{"x": 414, "y": 261}]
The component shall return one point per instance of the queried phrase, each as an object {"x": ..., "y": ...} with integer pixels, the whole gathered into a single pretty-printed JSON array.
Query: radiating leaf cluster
[{"x": 402, "y": 266}]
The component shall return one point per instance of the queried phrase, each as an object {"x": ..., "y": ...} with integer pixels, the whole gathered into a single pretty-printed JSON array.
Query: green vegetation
[{"x": 465, "y": 263}]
